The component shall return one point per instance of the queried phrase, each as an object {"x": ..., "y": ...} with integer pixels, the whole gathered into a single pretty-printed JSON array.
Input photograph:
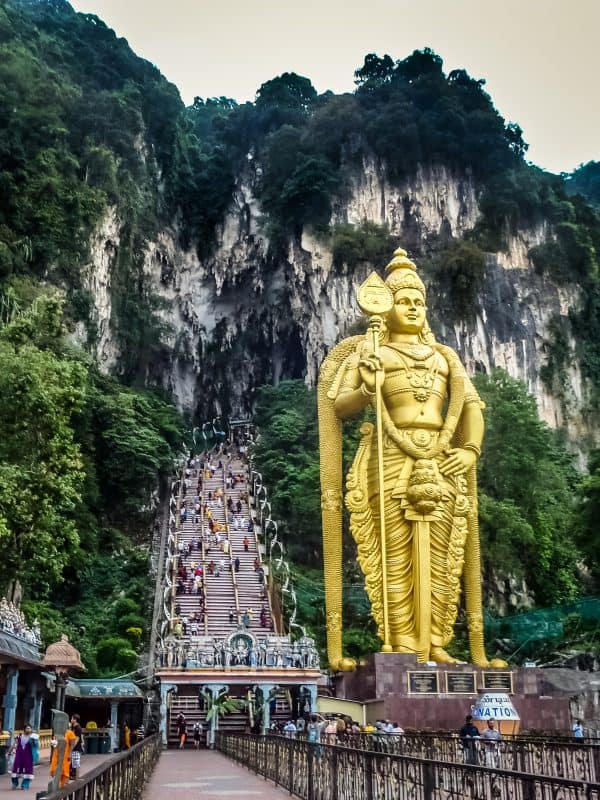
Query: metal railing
[
  {"x": 552, "y": 757},
  {"x": 120, "y": 777},
  {"x": 45, "y": 737},
  {"x": 322, "y": 771}
]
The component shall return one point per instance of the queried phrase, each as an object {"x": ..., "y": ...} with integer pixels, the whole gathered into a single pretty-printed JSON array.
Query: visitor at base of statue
[
  {"x": 578, "y": 729},
  {"x": 491, "y": 738},
  {"x": 469, "y": 737}
]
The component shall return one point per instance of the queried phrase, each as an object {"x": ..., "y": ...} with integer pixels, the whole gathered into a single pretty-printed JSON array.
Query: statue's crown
[{"x": 402, "y": 273}]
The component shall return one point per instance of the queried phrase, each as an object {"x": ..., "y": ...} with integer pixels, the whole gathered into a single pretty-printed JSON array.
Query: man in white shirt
[{"x": 491, "y": 739}]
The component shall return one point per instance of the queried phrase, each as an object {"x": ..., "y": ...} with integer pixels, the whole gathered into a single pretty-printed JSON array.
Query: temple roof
[
  {"x": 103, "y": 688},
  {"x": 15, "y": 649}
]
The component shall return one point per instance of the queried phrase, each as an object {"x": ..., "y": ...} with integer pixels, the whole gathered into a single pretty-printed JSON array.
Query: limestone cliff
[{"x": 241, "y": 317}]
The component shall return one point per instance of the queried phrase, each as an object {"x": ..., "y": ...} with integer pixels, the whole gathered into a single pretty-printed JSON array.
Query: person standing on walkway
[
  {"x": 23, "y": 761},
  {"x": 491, "y": 739},
  {"x": 77, "y": 748},
  {"x": 126, "y": 736},
  {"x": 578, "y": 729},
  {"x": 315, "y": 728},
  {"x": 330, "y": 732},
  {"x": 469, "y": 736},
  {"x": 236, "y": 564},
  {"x": 197, "y": 733},
  {"x": 246, "y": 544},
  {"x": 181, "y": 730},
  {"x": 65, "y": 773}
]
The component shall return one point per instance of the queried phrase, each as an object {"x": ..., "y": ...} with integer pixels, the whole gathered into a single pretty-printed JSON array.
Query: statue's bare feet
[
  {"x": 345, "y": 665},
  {"x": 440, "y": 656},
  {"x": 496, "y": 663}
]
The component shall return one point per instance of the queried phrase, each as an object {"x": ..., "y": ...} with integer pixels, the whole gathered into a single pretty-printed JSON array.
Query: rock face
[
  {"x": 96, "y": 278},
  {"x": 241, "y": 318}
]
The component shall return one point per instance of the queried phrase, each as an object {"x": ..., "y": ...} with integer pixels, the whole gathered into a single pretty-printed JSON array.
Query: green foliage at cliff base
[{"x": 80, "y": 456}]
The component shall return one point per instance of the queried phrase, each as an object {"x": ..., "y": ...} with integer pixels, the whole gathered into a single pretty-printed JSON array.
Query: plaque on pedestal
[
  {"x": 498, "y": 681},
  {"x": 423, "y": 683},
  {"x": 396, "y": 686},
  {"x": 461, "y": 683}
]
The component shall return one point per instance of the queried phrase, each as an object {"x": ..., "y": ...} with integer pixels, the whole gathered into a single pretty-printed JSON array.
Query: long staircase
[
  {"x": 214, "y": 530},
  {"x": 226, "y": 596},
  {"x": 191, "y": 706}
]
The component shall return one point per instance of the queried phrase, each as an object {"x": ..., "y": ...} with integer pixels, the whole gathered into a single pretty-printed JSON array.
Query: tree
[
  {"x": 288, "y": 91},
  {"x": 589, "y": 514},
  {"x": 585, "y": 180},
  {"x": 136, "y": 435},
  {"x": 221, "y": 704},
  {"x": 374, "y": 72},
  {"x": 419, "y": 64},
  {"x": 296, "y": 187},
  {"x": 368, "y": 241},
  {"x": 527, "y": 486},
  {"x": 459, "y": 271},
  {"x": 41, "y": 470}
]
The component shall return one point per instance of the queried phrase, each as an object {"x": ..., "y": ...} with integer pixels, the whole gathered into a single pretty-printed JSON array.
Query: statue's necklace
[
  {"x": 420, "y": 377},
  {"x": 416, "y": 352}
]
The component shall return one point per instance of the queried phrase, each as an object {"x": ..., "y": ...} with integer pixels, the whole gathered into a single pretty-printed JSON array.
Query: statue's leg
[
  {"x": 401, "y": 586},
  {"x": 448, "y": 534},
  {"x": 399, "y": 547}
]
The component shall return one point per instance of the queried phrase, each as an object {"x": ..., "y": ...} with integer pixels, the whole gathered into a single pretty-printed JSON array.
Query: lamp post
[{"x": 62, "y": 657}]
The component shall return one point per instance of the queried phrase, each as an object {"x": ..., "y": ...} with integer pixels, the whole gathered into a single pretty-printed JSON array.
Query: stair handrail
[
  {"x": 233, "y": 573},
  {"x": 174, "y": 543},
  {"x": 280, "y": 563},
  {"x": 271, "y": 522},
  {"x": 203, "y": 553}
]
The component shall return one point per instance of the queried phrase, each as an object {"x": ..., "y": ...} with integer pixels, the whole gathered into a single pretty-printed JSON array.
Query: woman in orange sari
[{"x": 66, "y": 765}]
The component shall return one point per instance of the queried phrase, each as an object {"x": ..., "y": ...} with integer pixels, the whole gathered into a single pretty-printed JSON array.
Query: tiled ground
[
  {"x": 206, "y": 775},
  {"x": 42, "y": 776}
]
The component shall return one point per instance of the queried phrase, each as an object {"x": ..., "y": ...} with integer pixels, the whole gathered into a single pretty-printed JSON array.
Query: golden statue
[{"x": 411, "y": 491}]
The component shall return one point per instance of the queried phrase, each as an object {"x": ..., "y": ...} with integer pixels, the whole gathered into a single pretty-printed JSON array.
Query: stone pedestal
[{"x": 393, "y": 686}]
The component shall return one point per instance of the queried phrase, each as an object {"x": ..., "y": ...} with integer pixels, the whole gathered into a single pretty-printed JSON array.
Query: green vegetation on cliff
[
  {"x": 585, "y": 180},
  {"x": 80, "y": 456}
]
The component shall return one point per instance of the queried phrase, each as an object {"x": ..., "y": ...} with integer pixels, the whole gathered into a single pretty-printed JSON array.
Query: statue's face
[{"x": 408, "y": 313}]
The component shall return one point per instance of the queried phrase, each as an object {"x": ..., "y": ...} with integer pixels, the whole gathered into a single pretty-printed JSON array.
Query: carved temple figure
[{"x": 411, "y": 491}]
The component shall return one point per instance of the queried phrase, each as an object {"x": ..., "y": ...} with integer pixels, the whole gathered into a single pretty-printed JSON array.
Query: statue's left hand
[{"x": 457, "y": 461}]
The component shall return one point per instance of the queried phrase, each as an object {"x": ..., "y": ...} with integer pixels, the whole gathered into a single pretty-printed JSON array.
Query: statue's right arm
[{"x": 353, "y": 396}]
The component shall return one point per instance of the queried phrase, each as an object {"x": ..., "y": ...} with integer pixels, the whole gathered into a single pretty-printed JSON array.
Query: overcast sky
[{"x": 539, "y": 58}]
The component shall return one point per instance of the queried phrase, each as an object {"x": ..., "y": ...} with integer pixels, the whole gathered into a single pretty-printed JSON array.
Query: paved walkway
[
  {"x": 42, "y": 776},
  {"x": 204, "y": 775}
]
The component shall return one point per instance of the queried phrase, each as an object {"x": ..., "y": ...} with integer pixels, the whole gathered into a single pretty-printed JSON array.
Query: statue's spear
[{"x": 375, "y": 298}]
